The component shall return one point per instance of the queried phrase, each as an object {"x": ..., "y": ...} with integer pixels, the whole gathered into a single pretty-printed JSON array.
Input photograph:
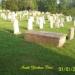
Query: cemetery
[{"x": 42, "y": 40}]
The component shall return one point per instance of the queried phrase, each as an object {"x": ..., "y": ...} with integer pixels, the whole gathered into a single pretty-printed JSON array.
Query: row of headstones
[
  {"x": 13, "y": 19},
  {"x": 54, "y": 21},
  {"x": 40, "y": 20},
  {"x": 6, "y": 15},
  {"x": 70, "y": 35}
]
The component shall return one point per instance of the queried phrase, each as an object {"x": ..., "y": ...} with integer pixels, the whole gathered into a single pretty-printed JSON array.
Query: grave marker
[
  {"x": 71, "y": 33},
  {"x": 30, "y": 23},
  {"x": 53, "y": 38}
]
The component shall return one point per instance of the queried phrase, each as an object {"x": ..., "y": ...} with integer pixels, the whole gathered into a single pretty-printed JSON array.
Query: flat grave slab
[{"x": 53, "y": 38}]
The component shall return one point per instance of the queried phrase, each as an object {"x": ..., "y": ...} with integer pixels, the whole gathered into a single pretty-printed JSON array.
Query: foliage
[
  {"x": 15, "y": 5},
  {"x": 47, "y": 5},
  {"x": 64, "y": 6}
]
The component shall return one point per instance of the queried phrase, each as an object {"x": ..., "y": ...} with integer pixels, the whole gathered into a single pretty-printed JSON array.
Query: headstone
[
  {"x": 41, "y": 22},
  {"x": 70, "y": 35},
  {"x": 67, "y": 19},
  {"x": 52, "y": 38},
  {"x": 43, "y": 19},
  {"x": 20, "y": 17},
  {"x": 9, "y": 16},
  {"x": 70, "y": 17},
  {"x": 30, "y": 23},
  {"x": 15, "y": 23},
  {"x": 57, "y": 23},
  {"x": 16, "y": 27},
  {"x": 37, "y": 20},
  {"x": 13, "y": 15},
  {"x": 3, "y": 16},
  {"x": 51, "y": 21},
  {"x": 61, "y": 22}
]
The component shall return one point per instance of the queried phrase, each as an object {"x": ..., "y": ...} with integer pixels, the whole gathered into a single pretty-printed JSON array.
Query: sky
[{"x": 0, "y": 0}]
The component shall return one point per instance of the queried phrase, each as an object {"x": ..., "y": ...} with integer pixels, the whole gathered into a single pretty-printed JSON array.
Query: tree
[
  {"x": 47, "y": 5},
  {"x": 52, "y": 6},
  {"x": 10, "y": 4},
  {"x": 42, "y": 5},
  {"x": 3, "y": 4},
  {"x": 61, "y": 6},
  {"x": 31, "y": 4},
  {"x": 15, "y": 5},
  {"x": 69, "y": 7}
]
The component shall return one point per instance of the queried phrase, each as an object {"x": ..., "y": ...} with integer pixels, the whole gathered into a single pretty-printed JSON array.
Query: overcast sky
[{"x": 0, "y": 0}]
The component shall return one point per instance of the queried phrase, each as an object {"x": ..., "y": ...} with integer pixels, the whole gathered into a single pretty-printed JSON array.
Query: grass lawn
[{"x": 18, "y": 57}]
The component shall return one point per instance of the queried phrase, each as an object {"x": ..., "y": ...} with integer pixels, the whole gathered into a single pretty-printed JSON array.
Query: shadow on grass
[
  {"x": 8, "y": 30},
  {"x": 15, "y": 52}
]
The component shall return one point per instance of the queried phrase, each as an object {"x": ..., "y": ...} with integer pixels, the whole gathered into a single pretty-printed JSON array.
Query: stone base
[{"x": 56, "y": 39}]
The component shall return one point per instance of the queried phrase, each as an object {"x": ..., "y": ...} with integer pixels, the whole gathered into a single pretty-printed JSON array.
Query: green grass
[{"x": 15, "y": 52}]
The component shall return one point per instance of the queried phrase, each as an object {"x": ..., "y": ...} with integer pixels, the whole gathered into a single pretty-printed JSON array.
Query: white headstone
[
  {"x": 16, "y": 26},
  {"x": 30, "y": 23},
  {"x": 51, "y": 20},
  {"x": 13, "y": 15},
  {"x": 57, "y": 23},
  {"x": 67, "y": 18},
  {"x": 9, "y": 16},
  {"x": 37, "y": 20},
  {"x": 61, "y": 22},
  {"x": 71, "y": 33},
  {"x": 3, "y": 16},
  {"x": 15, "y": 23},
  {"x": 41, "y": 22}
]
